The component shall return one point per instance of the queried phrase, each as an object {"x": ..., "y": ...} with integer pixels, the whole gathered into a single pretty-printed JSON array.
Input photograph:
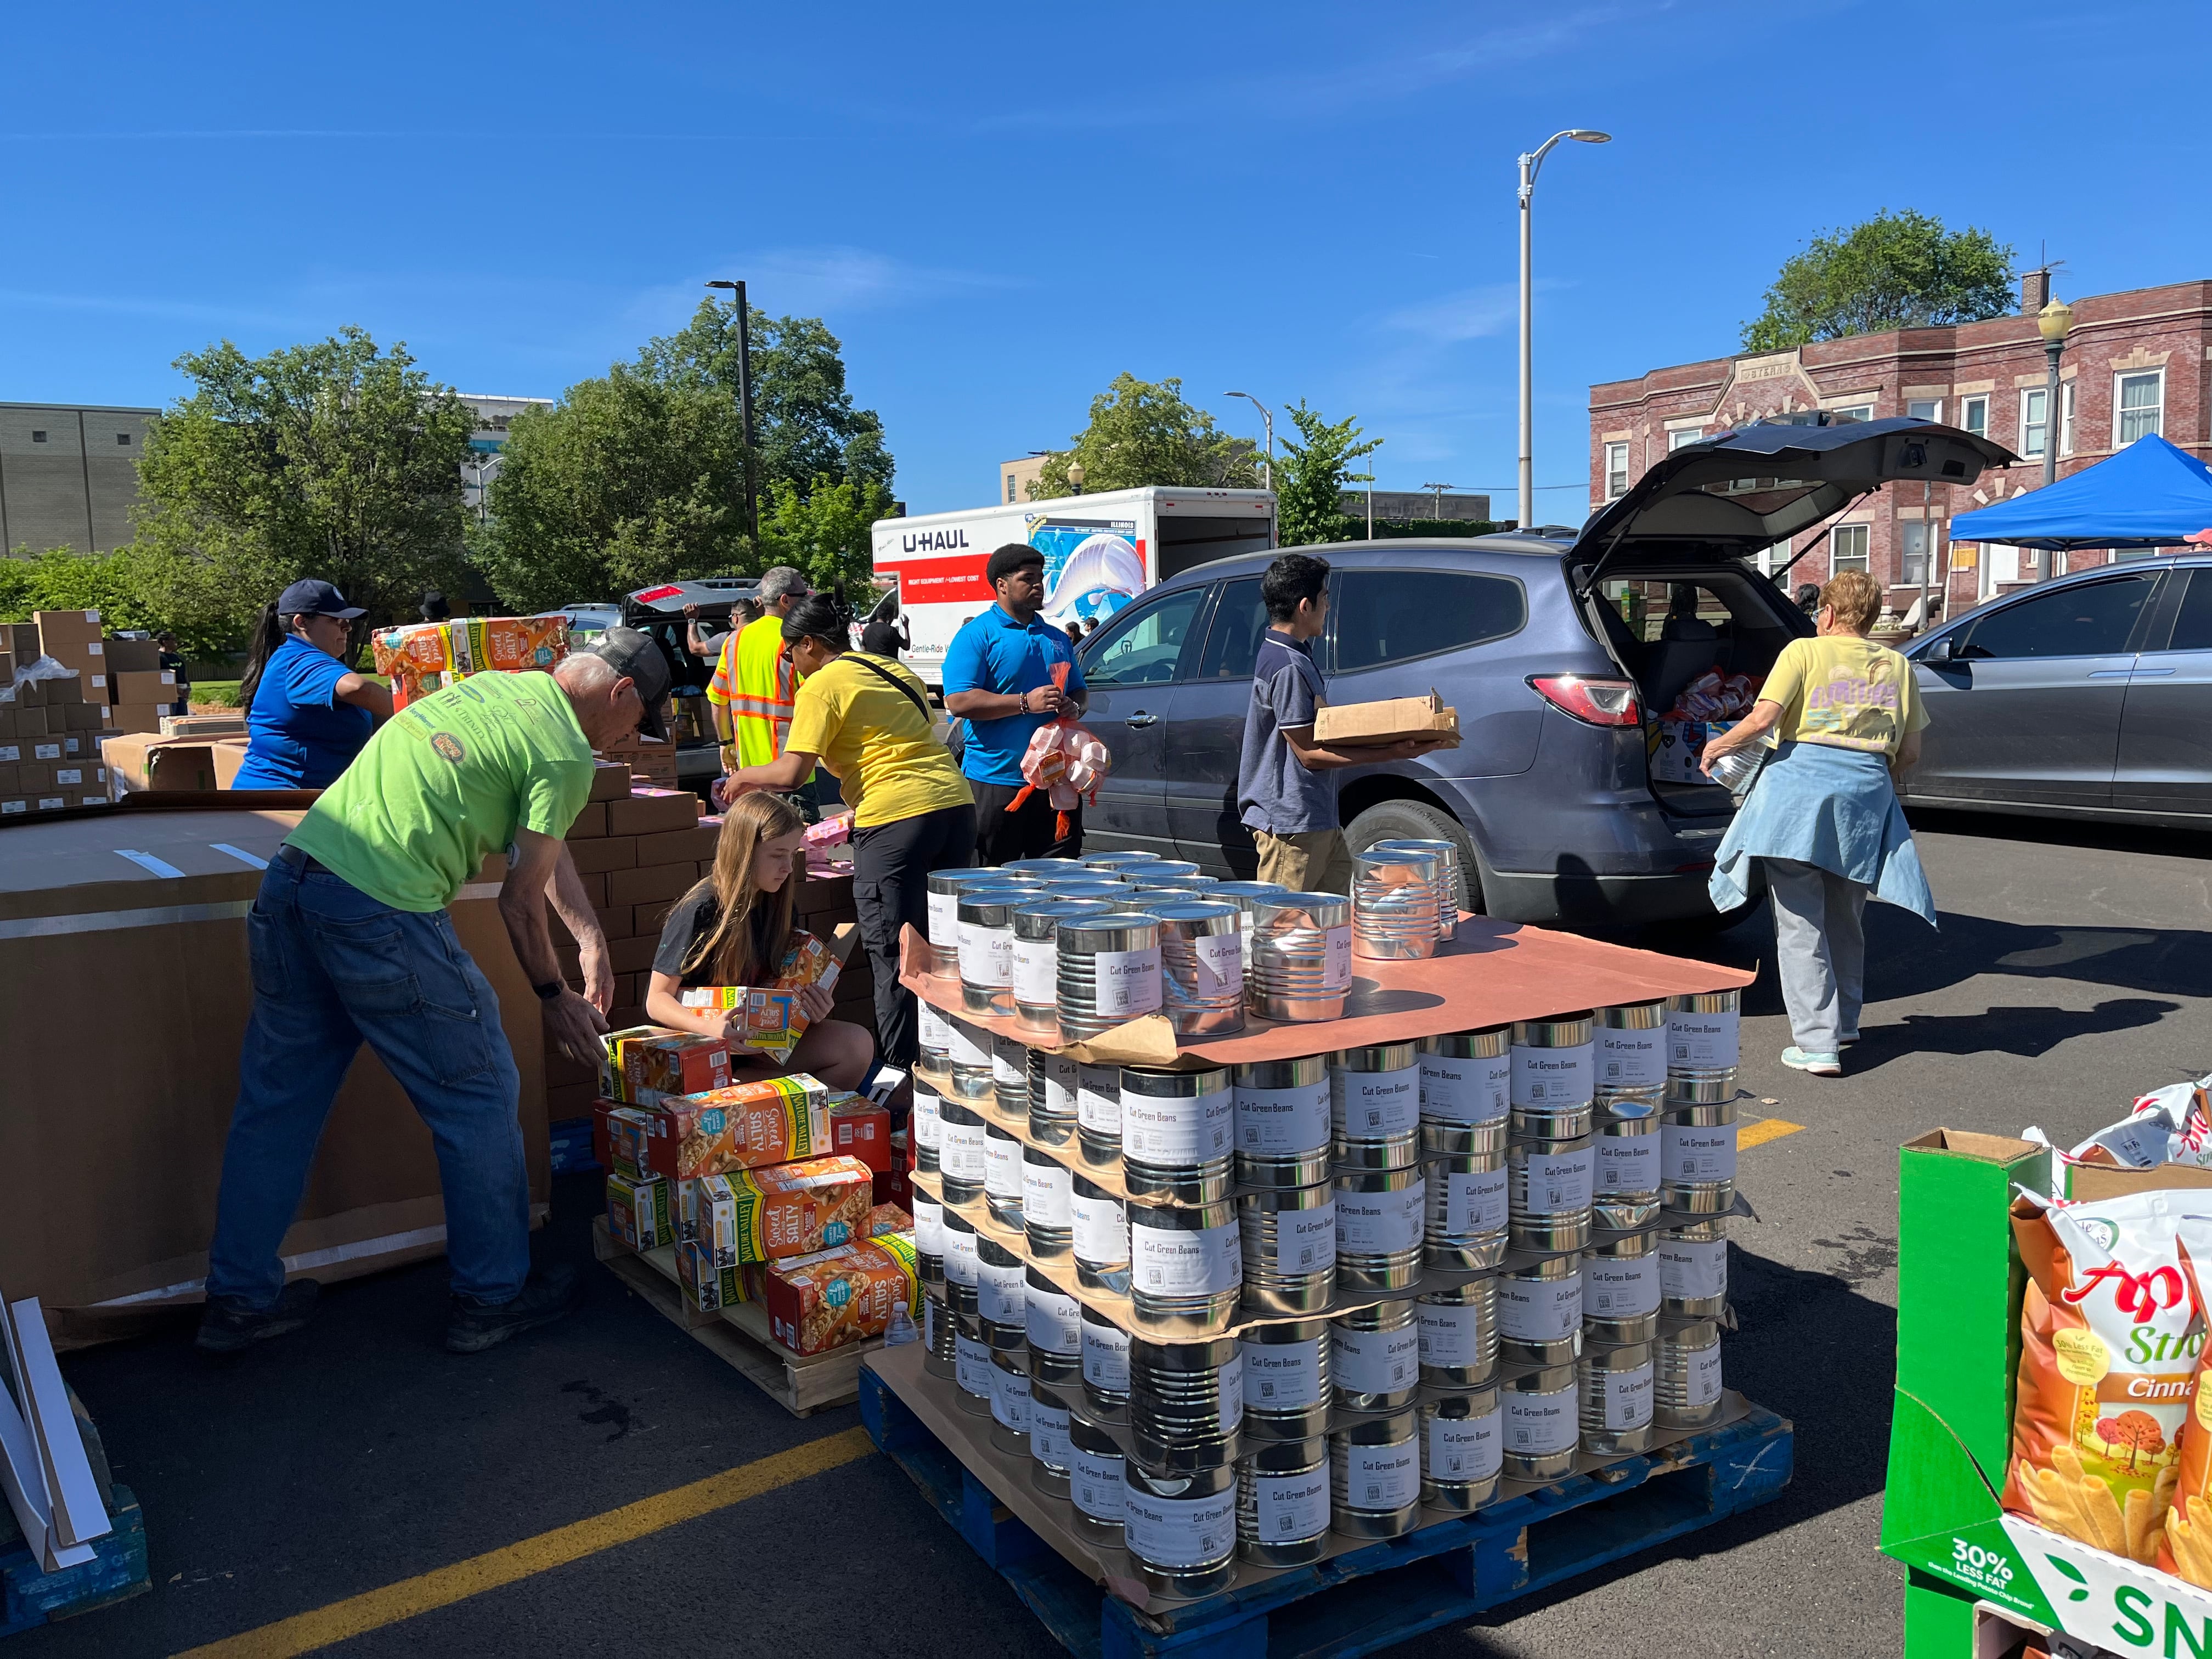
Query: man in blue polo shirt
[{"x": 998, "y": 676}]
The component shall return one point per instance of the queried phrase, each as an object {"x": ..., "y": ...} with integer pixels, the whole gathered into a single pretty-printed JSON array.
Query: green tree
[
  {"x": 1142, "y": 432},
  {"x": 627, "y": 481},
  {"x": 1309, "y": 483},
  {"x": 332, "y": 460},
  {"x": 824, "y": 532},
  {"x": 1894, "y": 270},
  {"x": 62, "y": 579}
]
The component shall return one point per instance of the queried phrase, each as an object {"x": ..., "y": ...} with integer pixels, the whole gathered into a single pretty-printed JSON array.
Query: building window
[
  {"x": 1974, "y": 415},
  {"x": 1009, "y": 489},
  {"x": 2033, "y": 420},
  {"x": 1847, "y": 548},
  {"x": 1925, "y": 408},
  {"x": 1688, "y": 435},
  {"x": 2140, "y": 401},
  {"x": 1851, "y": 412},
  {"x": 38, "y": 437},
  {"x": 1913, "y": 540},
  {"x": 2066, "y": 419},
  {"x": 123, "y": 438},
  {"x": 1616, "y": 471}
]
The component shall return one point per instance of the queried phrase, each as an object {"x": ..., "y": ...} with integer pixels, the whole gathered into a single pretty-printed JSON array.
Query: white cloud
[
  {"x": 1469, "y": 314},
  {"x": 819, "y": 280}
]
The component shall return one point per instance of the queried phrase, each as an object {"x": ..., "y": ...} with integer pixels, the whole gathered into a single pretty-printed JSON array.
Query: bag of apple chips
[
  {"x": 2110, "y": 1329},
  {"x": 2187, "y": 1535}
]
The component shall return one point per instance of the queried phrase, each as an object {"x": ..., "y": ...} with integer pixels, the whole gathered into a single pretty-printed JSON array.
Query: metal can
[
  {"x": 1697, "y": 1158},
  {"x": 1036, "y": 982},
  {"x": 1047, "y": 1209},
  {"x": 1109, "y": 972},
  {"x": 960, "y": 1298},
  {"x": 1703, "y": 1035},
  {"x": 1620, "y": 1288},
  {"x": 1043, "y": 868},
  {"x": 1010, "y": 1402},
  {"x": 1178, "y": 1132},
  {"x": 1160, "y": 867},
  {"x": 971, "y": 1047},
  {"x": 1380, "y": 1217},
  {"x": 1287, "y": 1381},
  {"x": 1244, "y": 895},
  {"x": 1201, "y": 964},
  {"x": 1105, "y": 1368},
  {"x": 1115, "y": 861},
  {"x": 1694, "y": 1270},
  {"x": 1396, "y": 897},
  {"x": 1463, "y": 1449},
  {"x": 932, "y": 1033},
  {"x": 1289, "y": 1237},
  {"x": 1467, "y": 1209},
  {"x": 1095, "y": 1482},
  {"x": 1539, "y": 1311},
  {"x": 971, "y": 1365},
  {"x": 1688, "y": 1392},
  {"x": 960, "y": 1151},
  {"x": 1447, "y": 881},
  {"x": 960, "y": 1242},
  {"x": 1375, "y": 1106},
  {"x": 1624, "y": 1147},
  {"x": 1009, "y": 1077},
  {"x": 1374, "y": 1476},
  {"x": 1052, "y": 1456},
  {"x": 1301, "y": 957},
  {"x": 944, "y": 888},
  {"x": 986, "y": 917},
  {"x": 1185, "y": 1403},
  {"x": 1186, "y": 1267},
  {"x": 1282, "y": 1125},
  {"x": 1180, "y": 1531},
  {"x": 1466, "y": 1085},
  {"x": 1098, "y": 1115},
  {"x": 1051, "y": 1097},
  {"x": 1002, "y": 1175},
  {"x": 1548, "y": 1199},
  {"x": 928, "y": 1238},
  {"x": 1282, "y": 1502},
  {"x": 1375, "y": 1357},
  {"x": 1553, "y": 1074},
  {"x": 1630, "y": 1047},
  {"x": 939, "y": 1357},
  {"x": 1053, "y": 1321},
  {"x": 924, "y": 1127},
  {"x": 1099, "y": 1236},
  {"x": 1458, "y": 1334},
  {"x": 1615, "y": 1385},
  {"x": 1542, "y": 1419},
  {"x": 1001, "y": 1295}
]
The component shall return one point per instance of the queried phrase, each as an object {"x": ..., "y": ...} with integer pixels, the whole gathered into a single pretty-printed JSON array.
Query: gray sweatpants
[{"x": 1819, "y": 937}]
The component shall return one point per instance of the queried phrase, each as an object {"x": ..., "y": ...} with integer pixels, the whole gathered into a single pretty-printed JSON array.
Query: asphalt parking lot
[{"x": 356, "y": 1485}]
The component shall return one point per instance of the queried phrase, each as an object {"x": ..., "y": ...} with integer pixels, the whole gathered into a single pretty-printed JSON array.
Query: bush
[{"x": 62, "y": 579}]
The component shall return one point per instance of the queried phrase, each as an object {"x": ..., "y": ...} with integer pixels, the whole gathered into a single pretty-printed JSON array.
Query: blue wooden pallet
[
  {"x": 1369, "y": 1598},
  {"x": 117, "y": 1569}
]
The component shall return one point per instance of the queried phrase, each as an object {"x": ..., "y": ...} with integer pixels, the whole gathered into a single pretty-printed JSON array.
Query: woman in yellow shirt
[
  {"x": 1823, "y": 814},
  {"x": 865, "y": 718}
]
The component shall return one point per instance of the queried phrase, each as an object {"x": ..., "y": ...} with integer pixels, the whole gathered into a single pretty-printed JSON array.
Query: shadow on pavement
[
  {"x": 2029, "y": 1031},
  {"x": 2087, "y": 833}
]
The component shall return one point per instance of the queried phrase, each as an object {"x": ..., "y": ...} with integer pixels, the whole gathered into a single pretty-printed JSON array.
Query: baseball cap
[
  {"x": 310, "y": 597},
  {"x": 637, "y": 658}
]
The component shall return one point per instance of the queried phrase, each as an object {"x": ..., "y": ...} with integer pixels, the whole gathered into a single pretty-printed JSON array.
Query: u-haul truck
[{"x": 1100, "y": 552}]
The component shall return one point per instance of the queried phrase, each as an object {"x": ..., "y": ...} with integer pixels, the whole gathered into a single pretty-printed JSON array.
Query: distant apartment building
[
  {"x": 69, "y": 475},
  {"x": 494, "y": 417},
  {"x": 1016, "y": 476},
  {"x": 1408, "y": 506},
  {"x": 2135, "y": 362}
]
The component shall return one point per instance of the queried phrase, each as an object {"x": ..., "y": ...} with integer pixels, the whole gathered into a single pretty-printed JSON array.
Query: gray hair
[
  {"x": 780, "y": 580},
  {"x": 584, "y": 674}
]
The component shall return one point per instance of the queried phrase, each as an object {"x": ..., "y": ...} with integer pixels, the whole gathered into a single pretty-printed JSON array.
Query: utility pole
[
  {"x": 745, "y": 402},
  {"x": 1437, "y": 510}
]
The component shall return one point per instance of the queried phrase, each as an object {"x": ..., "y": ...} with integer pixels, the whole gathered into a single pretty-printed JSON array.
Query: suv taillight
[{"x": 1593, "y": 702}]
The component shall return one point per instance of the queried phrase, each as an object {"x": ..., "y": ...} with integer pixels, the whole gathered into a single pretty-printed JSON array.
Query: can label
[
  {"x": 1037, "y": 972},
  {"x": 1380, "y": 1224},
  {"x": 1168, "y": 1261},
  {"x": 1552, "y": 1183},
  {"x": 1290, "y": 1508},
  {"x": 1127, "y": 983},
  {"x": 1547, "y": 1079},
  {"x": 1305, "y": 1241},
  {"x": 945, "y": 921},
  {"x": 1009, "y": 1065},
  {"x": 1098, "y": 1098},
  {"x": 1009, "y": 1399},
  {"x": 1627, "y": 1164},
  {"x": 1538, "y": 1425},
  {"x": 1177, "y": 1129},
  {"x": 1217, "y": 962},
  {"x": 1366, "y": 1105},
  {"x": 929, "y": 1324},
  {"x": 1472, "y": 1202},
  {"x": 1049, "y": 1442},
  {"x": 1701, "y": 1043},
  {"x": 1002, "y": 1293},
  {"x": 1631, "y": 1059},
  {"x": 1540, "y": 1310},
  {"x": 961, "y": 1264},
  {"x": 1053, "y": 1318},
  {"x": 1701, "y": 1379},
  {"x": 1229, "y": 1395},
  {"x": 1377, "y": 1478},
  {"x": 1101, "y": 1230},
  {"x": 1451, "y": 1332},
  {"x": 1002, "y": 1165},
  {"x": 928, "y": 1225},
  {"x": 972, "y": 1367},
  {"x": 987, "y": 954},
  {"x": 971, "y": 1044},
  {"x": 1282, "y": 1121},
  {"x": 1693, "y": 1268},
  {"x": 1464, "y": 1450},
  {"x": 1048, "y": 1193},
  {"x": 1106, "y": 1357},
  {"x": 1061, "y": 1077},
  {"x": 933, "y": 1027},
  {"x": 1376, "y": 1362},
  {"x": 960, "y": 1150},
  {"x": 1620, "y": 1286},
  {"x": 1455, "y": 1090},
  {"x": 1627, "y": 1403},
  {"x": 1095, "y": 1484},
  {"x": 1285, "y": 1376},
  {"x": 1180, "y": 1532},
  {"x": 1336, "y": 959},
  {"x": 927, "y": 1126},
  {"x": 1697, "y": 1152}
]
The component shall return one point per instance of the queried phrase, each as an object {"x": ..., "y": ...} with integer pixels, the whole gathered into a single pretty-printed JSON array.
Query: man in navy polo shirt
[{"x": 999, "y": 678}]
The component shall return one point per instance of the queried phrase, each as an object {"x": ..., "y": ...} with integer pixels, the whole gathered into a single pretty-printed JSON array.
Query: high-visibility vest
[{"x": 766, "y": 685}]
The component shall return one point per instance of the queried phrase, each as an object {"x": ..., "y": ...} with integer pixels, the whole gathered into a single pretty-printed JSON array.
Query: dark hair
[
  {"x": 269, "y": 631},
  {"x": 1291, "y": 578},
  {"x": 819, "y": 616}
]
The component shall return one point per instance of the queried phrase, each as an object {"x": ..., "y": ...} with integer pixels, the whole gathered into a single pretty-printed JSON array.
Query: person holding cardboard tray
[
  {"x": 734, "y": 931},
  {"x": 1286, "y": 779},
  {"x": 349, "y": 942}
]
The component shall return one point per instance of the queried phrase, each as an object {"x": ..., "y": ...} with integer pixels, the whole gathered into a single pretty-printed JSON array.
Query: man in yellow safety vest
[{"x": 754, "y": 685}]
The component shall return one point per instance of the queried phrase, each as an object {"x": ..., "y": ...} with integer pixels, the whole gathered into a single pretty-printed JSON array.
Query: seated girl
[{"x": 733, "y": 928}]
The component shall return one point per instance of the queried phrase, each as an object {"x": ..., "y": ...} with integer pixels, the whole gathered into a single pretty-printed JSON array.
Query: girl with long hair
[
  {"x": 307, "y": 714},
  {"x": 733, "y": 928}
]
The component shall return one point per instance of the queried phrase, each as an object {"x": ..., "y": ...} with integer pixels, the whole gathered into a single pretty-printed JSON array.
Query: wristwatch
[{"x": 550, "y": 991}]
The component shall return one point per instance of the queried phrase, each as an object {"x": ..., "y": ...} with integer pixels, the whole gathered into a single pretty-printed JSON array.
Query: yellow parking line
[
  {"x": 1761, "y": 1131},
  {"x": 372, "y": 1610}
]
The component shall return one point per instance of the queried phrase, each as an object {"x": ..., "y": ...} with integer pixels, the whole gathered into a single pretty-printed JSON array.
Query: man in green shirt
[{"x": 350, "y": 942}]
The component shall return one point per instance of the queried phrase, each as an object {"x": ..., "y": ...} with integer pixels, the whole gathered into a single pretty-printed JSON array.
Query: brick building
[{"x": 2135, "y": 362}]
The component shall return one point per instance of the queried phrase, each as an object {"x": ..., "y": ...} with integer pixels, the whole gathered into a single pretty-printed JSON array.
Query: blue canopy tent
[{"x": 2148, "y": 495}]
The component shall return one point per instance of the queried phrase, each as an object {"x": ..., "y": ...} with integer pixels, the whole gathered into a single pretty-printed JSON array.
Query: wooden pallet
[
  {"x": 802, "y": 1384},
  {"x": 1370, "y": 1597}
]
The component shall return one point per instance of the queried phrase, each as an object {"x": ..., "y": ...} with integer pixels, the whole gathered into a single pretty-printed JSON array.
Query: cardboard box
[
  {"x": 860, "y": 1128},
  {"x": 230, "y": 755},
  {"x": 706, "y": 1215},
  {"x": 142, "y": 762},
  {"x": 30, "y": 719},
  {"x": 707, "y": 1287},
  {"x": 654, "y": 811},
  {"x": 600, "y": 853},
  {"x": 677, "y": 847},
  {"x": 796, "y": 1209},
  {"x": 478, "y": 645},
  {"x": 414, "y": 657},
  {"x": 665, "y": 881},
  {"x": 1676, "y": 750},
  {"x": 139, "y": 717},
  {"x": 648, "y": 1062},
  {"x": 840, "y": 1296},
  {"x": 1359, "y": 725},
  {"x": 88, "y": 717},
  {"x": 744, "y": 1126},
  {"x": 155, "y": 686},
  {"x": 77, "y": 779},
  {"x": 67, "y": 626},
  {"x": 611, "y": 782},
  {"x": 130, "y": 656},
  {"x": 63, "y": 690},
  {"x": 589, "y": 822},
  {"x": 638, "y": 1212},
  {"x": 34, "y": 777},
  {"x": 20, "y": 640}
]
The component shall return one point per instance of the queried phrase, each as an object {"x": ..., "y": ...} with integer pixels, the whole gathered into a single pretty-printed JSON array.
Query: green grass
[{"x": 221, "y": 694}]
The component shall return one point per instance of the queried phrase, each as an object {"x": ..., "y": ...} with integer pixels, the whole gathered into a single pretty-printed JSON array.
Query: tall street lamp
[
  {"x": 2053, "y": 322},
  {"x": 745, "y": 399},
  {"x": 1530, "y": 162},
  {"x": 1267, "y": 467}
]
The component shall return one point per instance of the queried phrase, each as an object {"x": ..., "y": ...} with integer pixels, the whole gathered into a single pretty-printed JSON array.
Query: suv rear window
[{"x": 1393, "y": 616}]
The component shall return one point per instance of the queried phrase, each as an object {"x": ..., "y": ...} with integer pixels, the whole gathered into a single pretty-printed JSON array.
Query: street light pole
[
  {"x": 2053, "y": 322},
  {"x": 745, "y": 400},
  {"x": 1267, "y": 467},
  {"x": 1531, "y": 161}
]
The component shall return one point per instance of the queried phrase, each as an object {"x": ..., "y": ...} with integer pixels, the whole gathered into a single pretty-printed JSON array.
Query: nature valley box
[
  {"x": 638, "y": 1213},
  {"x": 645, "y": 1063},
  {"x": 707, "y": 1287},
  {"x": 741, "y": 1126},
  {"x": 835, "y": 1297},
  {"x": 794, "y": 1209}
]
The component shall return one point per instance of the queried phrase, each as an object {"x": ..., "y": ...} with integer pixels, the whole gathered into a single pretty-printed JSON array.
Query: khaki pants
[{"x": 1317, "y": 861}]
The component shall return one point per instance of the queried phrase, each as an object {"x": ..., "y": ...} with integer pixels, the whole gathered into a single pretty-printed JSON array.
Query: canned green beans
[
  {"x": 1178, "y": 1132},
  {"x": 1185, "y": 1403},
  {"x": 1697, "y": 1158},
  {"x": 1542, "y": 1417},
  {"x": 1702, "y": 1035},
  {"x": 1465, "y": 1090},
  {"x": 1098, "y": 1237},
  {"x": 1289, "y": 1241},
  {"x": 1615, "y": 1404},
  {"x": 1098, "y": 1113},
  {"x": 1282, "y": 1502},
  {"x": 1287, "y": 1381},
  {"x": 971, "y": 1360},
  {"x": 1048, "y": 1204},
  {"x": 1010, "y": 1402},
  {"x": 1282, "y": 1122},
  {"x": 1630, "y": 1048},
  {"x": 1694, "y": 1270},
  {"x": 1301, "y": 966},
  {"x": 1467, "y": 1209},
  {"x": 1105, "y": 1368},
  {"x": 1620, "y": 1288},
  {"x": 1186, "y": 1267},
  {"x": 1180, "y": 1531},
  {"x": 1054, "y": 1323},
  {"x": 1375, "y": 1105},
  {"x": 1095, "y": 1482},
  {"x": 1109, "y": 972},
  {"x": 1554, "y": 1067},
  {"x": 1463, "y": 1449},
  {"x": 1380, "y": 1218},
  {"x": 1375, "y": 1357},
  {"x": 1051, "y": 1097},
  {"x": 1539, "y": 1311},
  {"x": 1374, "y": 1476},
  {"x": 1625, "y": 1147},
  {"x": 1458, "y": 1334},
  {"x": 1688, "y": 1386}
]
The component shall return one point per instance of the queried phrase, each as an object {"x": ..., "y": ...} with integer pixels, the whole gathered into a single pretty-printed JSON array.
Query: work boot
[
  {"x": 475, "y": 1326},
  {"x": 228, "y": 1326}
]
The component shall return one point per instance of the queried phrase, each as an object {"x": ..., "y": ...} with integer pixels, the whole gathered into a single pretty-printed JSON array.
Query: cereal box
[
  {"x": 862, "y": 1129},
  {"x": 478, "y": 645},
  {"x": 826, "y": 1301},
  {"x": 706, "y": 1286},
  {"x": 744, "y": 1126},
  {"x": 638, "y": 1213},
  {"x": 793, "y": 1209}
]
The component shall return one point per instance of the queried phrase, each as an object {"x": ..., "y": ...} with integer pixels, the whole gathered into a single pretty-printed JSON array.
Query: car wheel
[{"x": 1413, "y": 820}]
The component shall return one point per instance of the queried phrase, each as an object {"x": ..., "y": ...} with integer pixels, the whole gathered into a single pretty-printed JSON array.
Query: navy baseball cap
[
  {"x": 638, "y": 658},
  {"x": 309, "y": 597}
]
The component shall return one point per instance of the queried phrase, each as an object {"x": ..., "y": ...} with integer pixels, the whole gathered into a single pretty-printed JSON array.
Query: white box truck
[{"x": 1100, "y": 552}]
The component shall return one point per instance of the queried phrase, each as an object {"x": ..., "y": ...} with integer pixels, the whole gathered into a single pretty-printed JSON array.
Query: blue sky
[{"x": 998, "y": 207}]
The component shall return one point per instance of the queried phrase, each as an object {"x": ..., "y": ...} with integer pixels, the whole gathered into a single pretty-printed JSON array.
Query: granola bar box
[
  {"x": 742, "y": 1126},
  {"x": 795, "y": 1209},
  {"x": 707, "y": 1287},
  {"x": 828, "y": 1300},
  {"x": 639, "y": 1213}
]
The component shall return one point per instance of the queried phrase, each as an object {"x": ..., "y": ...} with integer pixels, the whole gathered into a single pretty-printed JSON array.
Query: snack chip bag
[
  {"x": 2111, "y": 1330},
  {"x": 2187, "y": 1539}
]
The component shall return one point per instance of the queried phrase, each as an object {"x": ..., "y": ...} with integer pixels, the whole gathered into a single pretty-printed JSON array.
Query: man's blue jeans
[{"x": 333, "y": 968}]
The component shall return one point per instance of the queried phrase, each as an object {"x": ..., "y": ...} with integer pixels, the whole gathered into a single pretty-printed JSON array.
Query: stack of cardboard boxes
[{"x": 49, "y": 731}]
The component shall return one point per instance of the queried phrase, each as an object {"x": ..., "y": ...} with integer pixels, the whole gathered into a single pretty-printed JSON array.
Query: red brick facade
[{"x": 2149, "y": 350}]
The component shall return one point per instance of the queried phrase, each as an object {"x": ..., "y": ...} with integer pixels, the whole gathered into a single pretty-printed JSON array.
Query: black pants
[
  {"x": 891, "y": 864},
  {"x": 1032, "y": 833}
]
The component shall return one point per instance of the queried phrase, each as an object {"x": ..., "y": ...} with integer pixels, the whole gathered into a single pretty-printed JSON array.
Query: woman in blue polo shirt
[{"x": 306, "y": 714}]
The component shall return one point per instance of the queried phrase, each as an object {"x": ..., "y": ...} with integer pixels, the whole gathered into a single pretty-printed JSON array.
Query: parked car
[
  {"x": 1550, "y": 794},
  {"x": 2087, "y": 696}
]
